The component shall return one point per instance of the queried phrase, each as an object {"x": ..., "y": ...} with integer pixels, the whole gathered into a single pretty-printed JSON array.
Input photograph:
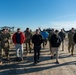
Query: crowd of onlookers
[{"x": 34, "y": 41}]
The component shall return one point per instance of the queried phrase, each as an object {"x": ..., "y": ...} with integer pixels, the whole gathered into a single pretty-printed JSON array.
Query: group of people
[{"x": 55, "y": 39}]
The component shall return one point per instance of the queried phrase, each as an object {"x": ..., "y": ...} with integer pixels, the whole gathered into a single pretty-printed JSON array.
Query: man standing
[
  {"x": 55, "y": 42},
  {"x": 28, "y": 35},
  {"x": 62, "y": 35},
  {"x": 71, "y": 42},
  {"x": 37, "y": 41},
  {"x": 5, "y": 43},
  {"x": 18, "y": 39}
]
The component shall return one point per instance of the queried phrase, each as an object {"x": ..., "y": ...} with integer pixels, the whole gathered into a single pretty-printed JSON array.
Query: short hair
[
  {"x": 18, "y": 28},
  {"x": 27, "y": 28},
  {"x": 56, "y": 31},
  {"x": 3, "y": 29},
  {"x": 72, "y": 28}
]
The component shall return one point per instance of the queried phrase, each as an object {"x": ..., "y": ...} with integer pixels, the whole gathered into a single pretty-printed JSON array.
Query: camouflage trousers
[
  {"x": 28, "y": 46},
  {"x": 71, "y": 47},
  {"x": 5, "y": 49}
]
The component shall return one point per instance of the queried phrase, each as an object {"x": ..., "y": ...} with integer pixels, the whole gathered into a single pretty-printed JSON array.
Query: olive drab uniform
[
  {"x": 0, "y": 51},
  {"x": 4, "y": 38},
  {"x": 71, "y": 42},
  {"x": 28, "y": 41}
]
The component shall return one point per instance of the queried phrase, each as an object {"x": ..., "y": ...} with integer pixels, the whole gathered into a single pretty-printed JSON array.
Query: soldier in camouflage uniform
[
  {"x": 71, "y": 41},
  {"x": 9, "y": 36},
  {"x": 0, "y": 51},
  {"x": 4, "y": 38},
  {"x": 28, "y": 35}
]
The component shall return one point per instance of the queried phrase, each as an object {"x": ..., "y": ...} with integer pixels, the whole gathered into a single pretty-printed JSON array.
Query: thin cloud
[
  {"x": 64, "y": 24},
  {"x": 65, "y": 16}
]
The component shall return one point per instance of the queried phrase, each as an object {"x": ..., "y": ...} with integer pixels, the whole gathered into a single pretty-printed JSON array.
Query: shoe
[
  {"x": 51, "y": 57},
  {"x": 35, "y": 62},
  {"x": 54, "y": 54},
  {"x": 17, "y": 58},
  {"x": 72, "y": 54},
  {"x": 57, "y": 62},
  {"x": 38, "y": 60}
]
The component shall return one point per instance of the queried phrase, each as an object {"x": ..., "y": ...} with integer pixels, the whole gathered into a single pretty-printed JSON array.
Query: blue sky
[{"x": 38, "y": 13}]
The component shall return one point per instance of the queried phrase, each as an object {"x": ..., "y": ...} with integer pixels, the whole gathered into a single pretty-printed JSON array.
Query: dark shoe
[
  {"x": 38, "y": 60},
  {"x": 35, "y": 62},
  {"x": 51, "y": 57},
  {"x": 57, "y": 62},
  {"x": 72, "y": 54},
  {"x": 17, "y": 58},
  {"x": 54, "y": 54}
]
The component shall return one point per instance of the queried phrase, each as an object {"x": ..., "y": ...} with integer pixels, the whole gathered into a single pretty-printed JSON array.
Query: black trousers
[{"x": 36, "y": 53}]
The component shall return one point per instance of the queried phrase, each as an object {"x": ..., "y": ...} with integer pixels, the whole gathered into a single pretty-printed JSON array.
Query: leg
[
  {"x": 0, "y": 56},
  {"x": 53, "y": 51},
  {"x": 29, "y": 46},
  {"x": 21, "y": 51},
  {"x": 35, "y": 54},
  {"x": 17, "y": 50},
  {"x": 63, "y": 45},
  {"x": 69, "y": 46},
  {"x": 43, "y": 43},
  {"x": 56, "y": 54},
  {"x": 39, "y": 52},
  {"x": 7, "y": 52},
  {"x": 72, "y": 50}
]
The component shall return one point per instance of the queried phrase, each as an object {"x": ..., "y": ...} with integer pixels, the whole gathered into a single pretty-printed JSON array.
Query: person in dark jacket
[
  {"x": 62, "y": 35},
  {"x": 37, "y": 41},
  {"x": 18, "y": 39},
  {"x": 55, "y": 43}
]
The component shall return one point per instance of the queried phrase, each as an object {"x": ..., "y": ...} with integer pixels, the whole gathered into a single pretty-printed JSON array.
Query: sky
[{"x": 38, "y": 13}]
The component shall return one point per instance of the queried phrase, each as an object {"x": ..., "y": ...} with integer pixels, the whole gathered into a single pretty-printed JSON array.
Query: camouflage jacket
[{"x": 70, "y": 37}]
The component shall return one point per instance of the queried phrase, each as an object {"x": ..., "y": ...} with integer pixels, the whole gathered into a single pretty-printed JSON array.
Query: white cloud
[
  {"x": 66, "y": 16},
  {"x": 63, "y": 24},
  {"x": 67, "y": 25}
]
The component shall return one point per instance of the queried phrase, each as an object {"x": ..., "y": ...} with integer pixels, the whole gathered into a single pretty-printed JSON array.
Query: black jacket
[
  {"x": 37, "y": 40},
  {"x": 62, "y": 35},
  {"x": 55, "y": 40}
]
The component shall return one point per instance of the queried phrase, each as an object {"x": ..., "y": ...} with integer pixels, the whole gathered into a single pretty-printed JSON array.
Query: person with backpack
[{"x": 55, "y": 42}]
